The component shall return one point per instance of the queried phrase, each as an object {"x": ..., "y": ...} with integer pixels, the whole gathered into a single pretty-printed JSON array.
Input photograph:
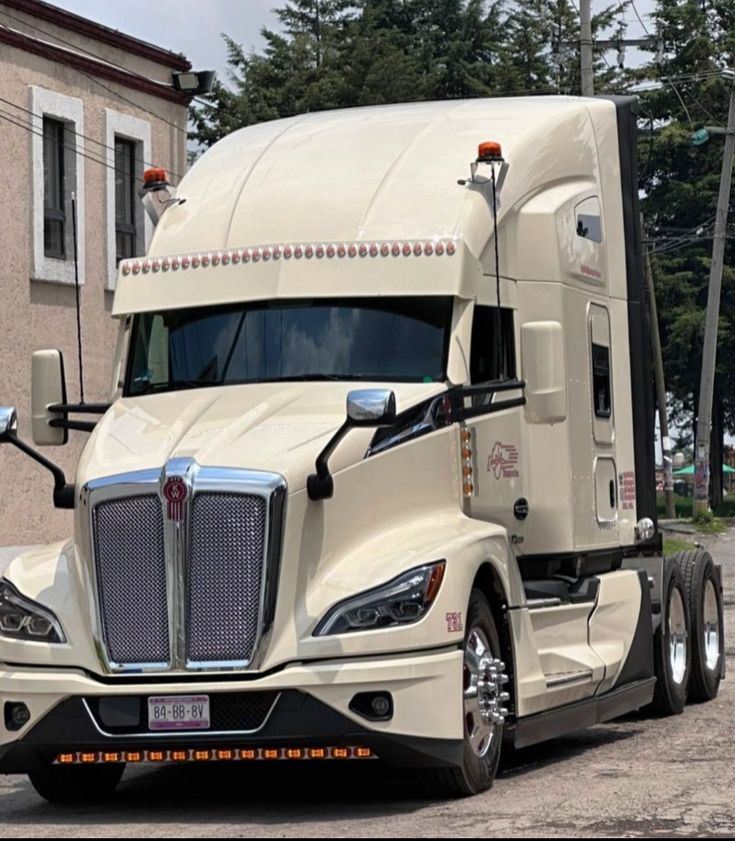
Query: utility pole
[
  {"x": 585, "y": 47},
  {"x": 709, "y": 351},
  {"x": 658, "y": 369}
]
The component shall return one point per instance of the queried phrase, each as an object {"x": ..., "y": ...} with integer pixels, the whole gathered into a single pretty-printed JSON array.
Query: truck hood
[{"x": 277, "y": 427}]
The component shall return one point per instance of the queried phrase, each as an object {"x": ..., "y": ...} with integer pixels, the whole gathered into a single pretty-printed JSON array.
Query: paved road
[{"x": 635, "y": 777}]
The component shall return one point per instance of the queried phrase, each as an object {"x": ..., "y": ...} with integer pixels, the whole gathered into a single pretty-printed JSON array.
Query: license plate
[{"x": 178, "y": 712}]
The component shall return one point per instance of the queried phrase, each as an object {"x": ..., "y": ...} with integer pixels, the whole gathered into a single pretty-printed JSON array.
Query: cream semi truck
[{"x": 377, "y": 477}]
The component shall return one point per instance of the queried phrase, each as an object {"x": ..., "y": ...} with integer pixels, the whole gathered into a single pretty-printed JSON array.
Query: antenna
[
  {"x": 76, "y": 287},
  {"x": 497, "y": 266}
]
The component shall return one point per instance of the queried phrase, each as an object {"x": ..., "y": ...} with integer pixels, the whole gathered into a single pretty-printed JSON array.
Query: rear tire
[
  {"x": 63, "y": 784},
  {"x": 672, "y": 646},
  {"x": 483, "y": 696},
  {"x": 704, "y": 595}
]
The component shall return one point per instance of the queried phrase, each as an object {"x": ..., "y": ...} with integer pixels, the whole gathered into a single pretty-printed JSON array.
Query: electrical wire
[
  {"x": 77, "y": 48},
  {"x": 667, "y": 79},
  {"x": 79, "y": 134},
  {"x": 14, "y": 120}
]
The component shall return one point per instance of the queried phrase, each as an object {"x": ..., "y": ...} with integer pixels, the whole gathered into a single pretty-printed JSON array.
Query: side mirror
[
  {"x": 371, "y": 407},
  {"x": 48, "y": 388},
  {"x": 8, "y": 422},
  {"x": 365, "y": 407},
  {"x": 544, "y": 371}
]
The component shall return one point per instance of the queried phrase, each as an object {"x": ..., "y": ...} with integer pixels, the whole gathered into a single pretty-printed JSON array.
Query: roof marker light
[
  {"x": 195, "y": 261},
  {"x": 407, "y": 249},
  {"x": 489, "y": 152}
]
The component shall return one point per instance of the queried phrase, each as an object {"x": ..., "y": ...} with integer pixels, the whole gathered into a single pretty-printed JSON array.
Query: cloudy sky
[{"x": 194, "y": 28}]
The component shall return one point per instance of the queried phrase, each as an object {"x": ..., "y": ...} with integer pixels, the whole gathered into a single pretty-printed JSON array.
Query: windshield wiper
[{"x": 173, "y": 385}]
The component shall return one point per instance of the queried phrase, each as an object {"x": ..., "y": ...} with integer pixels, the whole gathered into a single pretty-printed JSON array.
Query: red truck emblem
[
  {"x": 503, "y": 461},
  {"x": 175, "y": 493}
]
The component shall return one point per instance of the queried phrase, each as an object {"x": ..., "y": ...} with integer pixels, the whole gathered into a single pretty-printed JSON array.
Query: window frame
[
  {"x": 68, "y": 110},
  {"x": 121, "y": 126}
]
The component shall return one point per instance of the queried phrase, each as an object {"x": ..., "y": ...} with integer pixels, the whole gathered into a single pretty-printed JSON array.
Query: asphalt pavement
[{"x": 636, "y": 777}]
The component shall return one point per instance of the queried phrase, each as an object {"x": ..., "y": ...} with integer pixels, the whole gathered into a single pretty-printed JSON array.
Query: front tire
[
  {"x": 672, "y": 646},
  {"x": 704, "y": 595},
  {"x": 62, "y": 784},
  {"x": 483, "y": 710}
]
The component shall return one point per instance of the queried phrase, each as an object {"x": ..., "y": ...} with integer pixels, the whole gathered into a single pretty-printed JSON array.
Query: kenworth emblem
[{"x": 175, "y": 493}]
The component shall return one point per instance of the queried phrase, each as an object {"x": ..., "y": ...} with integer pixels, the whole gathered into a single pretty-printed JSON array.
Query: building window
[
  {"x": 492, "y": 354},
  {"x": 125, "y": 199},
  {"x": 128, "y": 141},
  {"x": 54, "y": 197},
  {"x": 57, "y": 174}
]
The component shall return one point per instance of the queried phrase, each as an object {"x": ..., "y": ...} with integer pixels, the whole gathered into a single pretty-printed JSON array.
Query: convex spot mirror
[
  {"x": 371, "y": 407},
  {"x": 48, "y": 388},
  {"x": 8, "y": 422}
]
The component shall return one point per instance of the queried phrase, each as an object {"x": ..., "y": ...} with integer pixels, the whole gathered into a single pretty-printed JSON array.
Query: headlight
[
  {"x": 22, "y": 619},
  {"x": 399, "y": 602}
]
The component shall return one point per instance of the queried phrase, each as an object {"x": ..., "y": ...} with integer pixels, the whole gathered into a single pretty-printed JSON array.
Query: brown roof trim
[
  {"x": 76, "y": 23},
  {"x": 89, "y": 65}
]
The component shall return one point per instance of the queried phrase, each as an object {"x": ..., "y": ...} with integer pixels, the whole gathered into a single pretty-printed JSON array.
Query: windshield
[{"x": 378, "y": 339}]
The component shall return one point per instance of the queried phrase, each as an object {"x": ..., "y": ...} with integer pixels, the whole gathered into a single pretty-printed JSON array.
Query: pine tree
[{"x": 680, "y": 184}]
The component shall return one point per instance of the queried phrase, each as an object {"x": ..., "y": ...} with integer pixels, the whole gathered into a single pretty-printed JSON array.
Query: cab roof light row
[{"x": 296, "y": 251}]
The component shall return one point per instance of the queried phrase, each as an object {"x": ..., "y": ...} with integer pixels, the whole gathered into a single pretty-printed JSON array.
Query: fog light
[
  {"x": 375, "y": 706},
  {"x": 17, "y": 715}
]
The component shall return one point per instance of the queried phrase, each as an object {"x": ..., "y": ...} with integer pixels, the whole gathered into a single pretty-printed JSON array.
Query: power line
[
  {"x": 14, "y": 120},
  {"x": 103, "y": 61},
  {"x": 79, "y": 134}
]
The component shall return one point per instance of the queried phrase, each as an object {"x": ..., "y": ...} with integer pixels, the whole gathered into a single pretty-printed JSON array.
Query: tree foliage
[{"x": 342, "y": 53}]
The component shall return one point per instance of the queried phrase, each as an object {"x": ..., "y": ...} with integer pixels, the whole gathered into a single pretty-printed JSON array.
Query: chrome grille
[
  {"x": 225, "y": 576},
  {"x": 131, "y": 579}
]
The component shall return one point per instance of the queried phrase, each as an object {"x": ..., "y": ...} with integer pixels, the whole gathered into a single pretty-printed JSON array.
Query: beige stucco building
[{"x": 83, "y": 110}]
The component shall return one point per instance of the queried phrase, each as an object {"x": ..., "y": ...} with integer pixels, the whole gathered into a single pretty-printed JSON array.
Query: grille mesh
[
  {"x": 227, "y": 546},
  {"x": 131, "y": 577}
]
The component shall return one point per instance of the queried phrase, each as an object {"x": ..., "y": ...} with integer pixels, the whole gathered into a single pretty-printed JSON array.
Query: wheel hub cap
[
  {"x": 677, "y": 637},
  {"x": 484, "y": 697},
  {"x": 711, "y": 626}
]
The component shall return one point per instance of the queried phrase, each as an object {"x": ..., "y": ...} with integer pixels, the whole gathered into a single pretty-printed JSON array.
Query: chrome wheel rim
[
  {"x": 711, "y": 619},
  {"x": 677, "y": 637},
  {"x": 483, "y": 694}
]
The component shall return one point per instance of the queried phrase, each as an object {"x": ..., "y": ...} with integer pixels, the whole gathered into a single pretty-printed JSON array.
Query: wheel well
[{"x": 488, "y": 581}]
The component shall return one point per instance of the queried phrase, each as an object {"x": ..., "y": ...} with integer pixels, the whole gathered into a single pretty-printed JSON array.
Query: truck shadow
[{"x": 281, "y": 793}]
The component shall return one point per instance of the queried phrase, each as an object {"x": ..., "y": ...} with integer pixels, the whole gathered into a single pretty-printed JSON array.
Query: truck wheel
[
  {"x": 483, "y": 710},
  {"x": 704, "y": 595},
  {"x": 672, "y": 646},
  {"x": 86, "y": 784}
]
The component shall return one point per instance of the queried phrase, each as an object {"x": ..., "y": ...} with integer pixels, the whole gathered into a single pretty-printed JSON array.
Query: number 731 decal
[{"x": 454, "y": 623}]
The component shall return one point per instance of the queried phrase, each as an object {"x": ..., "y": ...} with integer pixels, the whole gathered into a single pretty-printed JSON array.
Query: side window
[
  {"x": 601, "y": 381},
  {"x": 588, "y": 219},
  {"x": 601, "y": 374},
  {"x": 492, "y": 352}
]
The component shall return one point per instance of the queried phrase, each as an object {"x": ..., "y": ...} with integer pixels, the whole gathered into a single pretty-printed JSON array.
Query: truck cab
[{"x": 376, "y": 481}]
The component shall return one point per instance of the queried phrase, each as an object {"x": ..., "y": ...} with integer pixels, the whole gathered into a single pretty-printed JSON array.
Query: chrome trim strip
[
  {"x": 179, "y": 733},
  {"x": 565, "y": 678},
  {"x": 538, "y": 604}
]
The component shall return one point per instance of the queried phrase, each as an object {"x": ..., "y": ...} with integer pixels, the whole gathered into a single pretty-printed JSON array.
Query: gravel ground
[{"x": 631, "y": 778}]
